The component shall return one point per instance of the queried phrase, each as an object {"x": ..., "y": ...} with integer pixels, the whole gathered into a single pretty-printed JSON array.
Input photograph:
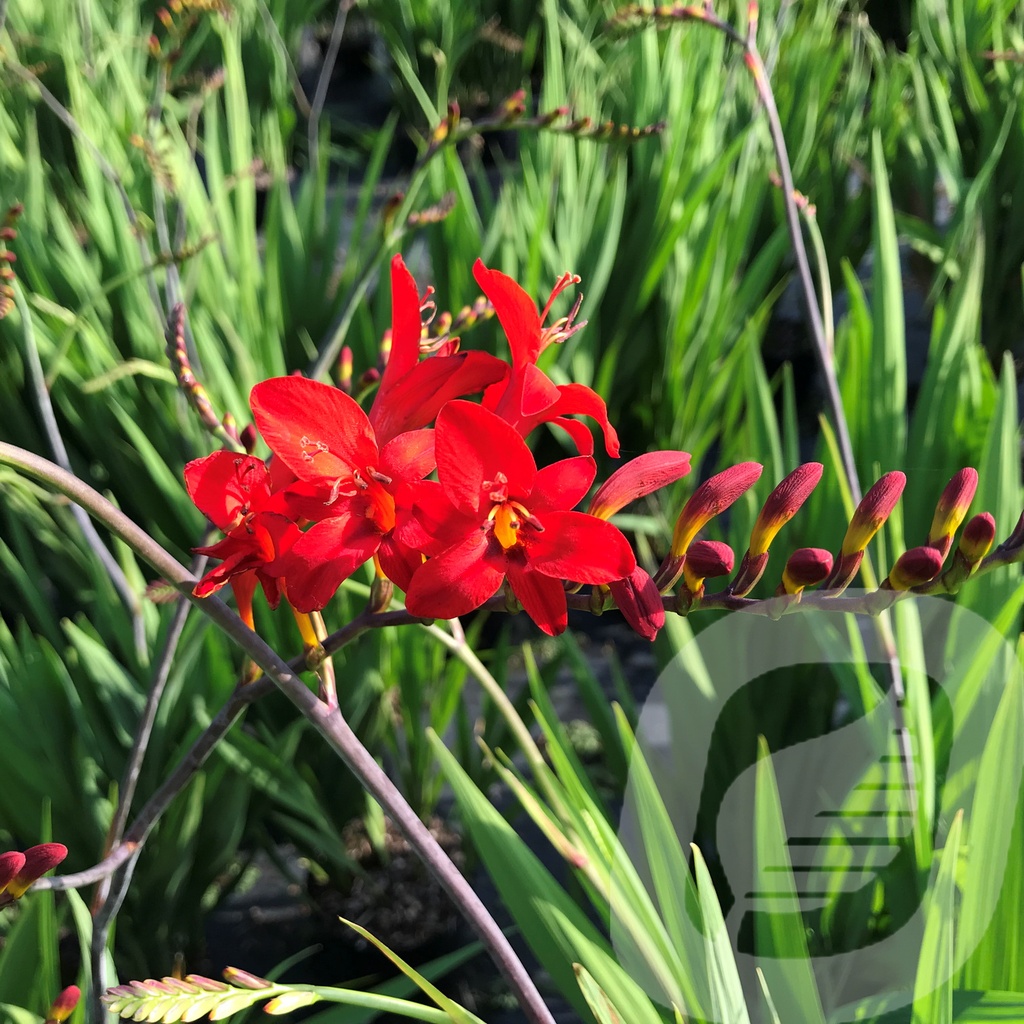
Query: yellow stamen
[{"x": 506, "y": 525}]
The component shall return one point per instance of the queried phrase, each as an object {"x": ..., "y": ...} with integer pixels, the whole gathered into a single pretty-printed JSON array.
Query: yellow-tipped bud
[
  {"x": 952, "y": 508},
  {"x": 37, "y": 861},
  {"x": 806, "y": 567},
  {"x": 711, "y": 498},
  {"x": 782, "y": 504},
  {"x": 875, "y": 507},
  {"x": 64, "y": 1005},
  {"x": 705, "y": 560},
  {"x": 914, "y": 568},
  {"x": 978, "y": 537}
]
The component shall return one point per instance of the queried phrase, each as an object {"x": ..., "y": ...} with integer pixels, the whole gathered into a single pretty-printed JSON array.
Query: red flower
[
  {"x": 235, "y": 492},
  {"x": 495, "y": 516},
  {"x": 412, "y": 392},
  {"x": 349, "y": 487},
  {"x": 529, "y": 398}
]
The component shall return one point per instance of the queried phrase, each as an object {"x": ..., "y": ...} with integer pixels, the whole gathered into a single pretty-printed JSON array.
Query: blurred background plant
[{"x": 260, "y": 160}]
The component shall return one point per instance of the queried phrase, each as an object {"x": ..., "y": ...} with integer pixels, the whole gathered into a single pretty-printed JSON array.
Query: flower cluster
[
  {"x": 446, "y": 498},
  {"x": 344, "y": 485}
]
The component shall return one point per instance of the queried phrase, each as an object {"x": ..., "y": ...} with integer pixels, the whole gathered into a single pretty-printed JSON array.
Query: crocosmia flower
[
  {"x": 235, "y": 492},
  {"x": 350, "y": 489},
  {"x": 529, "y": 398},
  {"x": 494, "y": 516},
  {"x": 412, "y": 391}
]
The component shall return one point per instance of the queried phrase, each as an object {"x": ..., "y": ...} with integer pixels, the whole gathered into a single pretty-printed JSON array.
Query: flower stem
[{"x": 329, "y": 722}]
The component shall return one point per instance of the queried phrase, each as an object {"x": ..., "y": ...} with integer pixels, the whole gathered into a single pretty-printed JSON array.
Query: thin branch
[
  {"x": 194, "y": 759},
  {"x": 329, "y": 722},
  {"x": 44, "y": 406},
  {"x": 113, "y": 889},
  {"x": 324, "y": 81}
]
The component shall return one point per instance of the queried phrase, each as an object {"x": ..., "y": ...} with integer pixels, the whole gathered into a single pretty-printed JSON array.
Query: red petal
[
  {"x": 324, "y": 557},
  {"x": 542, "y": 598},
  {"x": 579, "y": 400},
  {"x": 406, "y": 325},
  {"x": 579, "y": 432},
  {"x": 584, "y": 549},
  {"x": 636, "y": 479},
  {"x": 434, "y": 524},
  {"x": 409, "y": 456},
  {"x": 562, "y": 485},
  {"x": 576, "y": 400},
  {"x": 271, "y": 587},
  {"x": 455, "y": 582},
  {"x": 316, "y": 429},
  {"x": 237, "y": 559},
  {"x": 538, "y": 392},
  {"x": 420, "y": 394},
  {"x": 398, "y": 561},
  {"x": 222, "y": 483},
  {"x": 475, "y": 449},
  {"x": 638, "y": 599},
  {"x": 516, "y": 312},
  {"x": 280, "y": 475},
  {"x": 243, "y": 586}
]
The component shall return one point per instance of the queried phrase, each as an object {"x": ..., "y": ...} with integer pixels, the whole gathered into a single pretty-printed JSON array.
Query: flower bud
[
  {"x": 207, "y": 984},
  {"x": 952, "y": 508},
  {"x": 639, "y": 600},
  {"x": 706, "y": 559},
  {"x": 806, "y": 567},
  {"x": 636, "y": 479},
  {"x": 1016, "y": 539},
  {"x": 248, "y": 438},
  {"x": 381, "y": 592},
  {"x": 64, "y": 1005},
  {"x": 914, "y": 568},
  {"x": 10, "y": 864},
  {"x": 711, "y": 498},
  {"x": 345, "y": 370},
  {"x": 237, "y": 976},
  {"x": 875, "y": 507},
  {"x": 978, "y": 537},
  {"x": 782, "y": 504},
  {"x": 38, "y": 860}
]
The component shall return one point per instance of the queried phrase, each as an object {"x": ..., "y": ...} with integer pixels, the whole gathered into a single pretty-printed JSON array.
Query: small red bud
[
  {"x": 64, "y": 1005},
  {"x": 807, "y": 567},
  {"x": 913, "y": 568},
  {"x": 978, "y": 536},
  {"x": 247, "y": 438},
  {"x": 10, "y": 864},
  {"x": 38, "y": 860}
]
